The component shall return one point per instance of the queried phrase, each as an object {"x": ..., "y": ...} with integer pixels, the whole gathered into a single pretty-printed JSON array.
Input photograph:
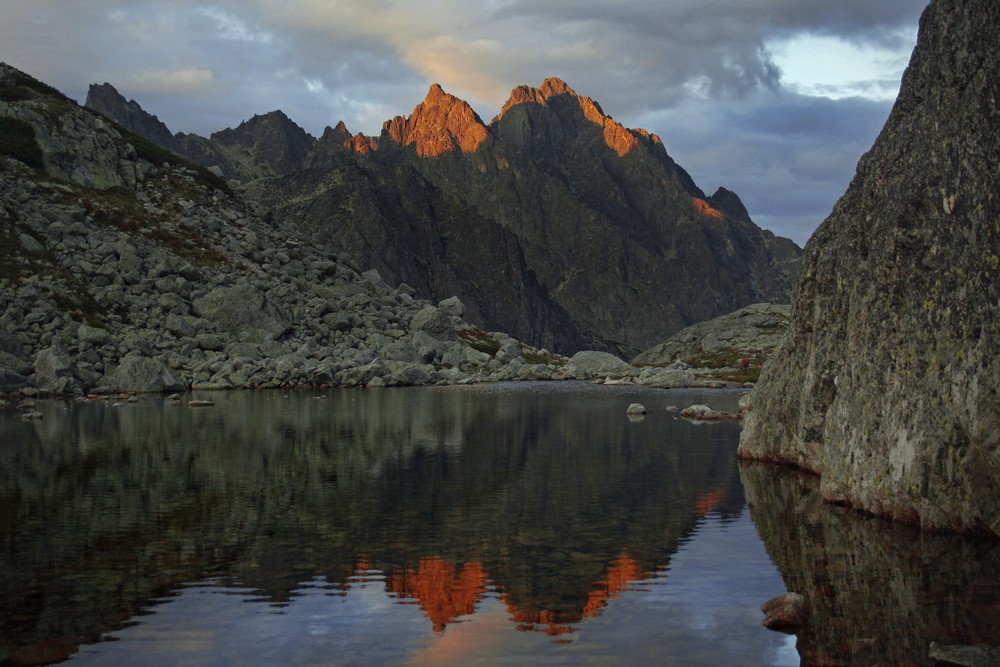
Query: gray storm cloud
[{"x": 699, "y": 73}]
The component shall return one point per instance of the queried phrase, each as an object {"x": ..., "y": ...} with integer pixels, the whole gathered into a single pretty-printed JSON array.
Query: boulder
[
  {"x": 242, "y": 309},
  {"x": 452, "y": 306},
  {"x": 140, "y": 373},
  {"x": 434, "y": 321},
  {"x": 14, "y": 372},
  {"x": 181, "y": 326},
  {"x": 400, "y": 350},
  {"x": 508, "y": 353},
  {"x": 786, "y": 612},
  {"x": 961, "y": 655},
  {"x": 676, "y": 375},
  {"x": 53, "y": 370},
  {"x": 407, "y": 375},
  {"x": 10, "y": 342},
  {"x": 704, "y": 413},
  {"x": 93, "y": 335},
  {"x": 375, "y": 278},
  {"x": 593, "y": 364},
  {"x": 210, "y": 342}
]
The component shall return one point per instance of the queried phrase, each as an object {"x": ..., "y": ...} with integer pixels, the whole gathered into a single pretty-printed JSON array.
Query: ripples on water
[{"x": 489, "y": 524}]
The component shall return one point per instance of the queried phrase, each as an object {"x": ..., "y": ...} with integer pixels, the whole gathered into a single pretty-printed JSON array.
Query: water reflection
[
  {"x": 541, "y": 500},
  {"x": 878, "y": 592}
]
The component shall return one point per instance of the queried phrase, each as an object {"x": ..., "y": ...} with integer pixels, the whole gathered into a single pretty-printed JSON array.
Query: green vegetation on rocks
[{"x": 17, "y": 140}]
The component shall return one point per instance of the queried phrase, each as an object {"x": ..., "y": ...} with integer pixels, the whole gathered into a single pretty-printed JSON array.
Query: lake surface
[{"x": 507, "y": 524}]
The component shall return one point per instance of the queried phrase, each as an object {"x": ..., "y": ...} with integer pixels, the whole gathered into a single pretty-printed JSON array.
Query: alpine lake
[{"x": 504, "y": 524}]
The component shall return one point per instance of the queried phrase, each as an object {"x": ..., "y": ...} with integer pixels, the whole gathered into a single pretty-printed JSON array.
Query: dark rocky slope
[{"x": 888, "y": 384}]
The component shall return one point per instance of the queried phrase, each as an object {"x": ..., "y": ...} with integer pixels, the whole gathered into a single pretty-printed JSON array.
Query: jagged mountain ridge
[
  {"x": 266, "y": 145},
  {"x": 588, "y": 235}
]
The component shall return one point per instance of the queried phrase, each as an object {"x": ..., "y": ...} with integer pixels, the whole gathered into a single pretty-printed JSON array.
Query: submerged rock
[
  {"x": 590, "y": 364},
  {"x": 704, "y": 413}
]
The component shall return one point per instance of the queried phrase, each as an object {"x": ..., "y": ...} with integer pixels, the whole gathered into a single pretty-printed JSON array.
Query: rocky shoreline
[{"x": 250, "y": 307}]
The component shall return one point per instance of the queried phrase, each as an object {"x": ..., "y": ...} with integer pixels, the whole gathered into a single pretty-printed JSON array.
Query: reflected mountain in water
[
  {"x": 878, "y": 593},
  {"x": 546, "y": 495}
]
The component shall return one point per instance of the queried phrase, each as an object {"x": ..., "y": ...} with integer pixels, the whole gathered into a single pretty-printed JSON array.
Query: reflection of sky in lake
[{"x": 702, "y": 610}]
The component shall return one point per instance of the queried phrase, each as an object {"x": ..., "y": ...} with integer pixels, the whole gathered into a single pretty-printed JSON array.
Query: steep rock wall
[{"x": 888, "y": 384}]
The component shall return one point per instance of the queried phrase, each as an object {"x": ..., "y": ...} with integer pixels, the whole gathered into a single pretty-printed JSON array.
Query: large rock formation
[
  {"x": 888, "y": 384},
  {"x": 755, "y": 330}
]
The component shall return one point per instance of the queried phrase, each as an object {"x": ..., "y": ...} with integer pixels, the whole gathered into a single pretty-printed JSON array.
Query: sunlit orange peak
[{"x": 440, "y": 124}]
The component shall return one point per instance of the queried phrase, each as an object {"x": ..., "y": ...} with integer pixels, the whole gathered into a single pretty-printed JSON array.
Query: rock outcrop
[
  {"x": 440, "y": 124},
  {"x": 888, "y": 384},
  {"x": 105, "y": 99},
  {"x": 272, "y": 142},
  {"x": 755, "y": 330}
]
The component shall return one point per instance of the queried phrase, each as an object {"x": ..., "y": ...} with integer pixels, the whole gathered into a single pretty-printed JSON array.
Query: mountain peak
[
  {"x": 571, "y": 108},
  {"x": 555, "y": 86},
  {"x": 105, "y": 98},
  {"x": 274, "y": 135},
  {"x": 441, "y": 124},
  {"x": 436, "y": 91}
]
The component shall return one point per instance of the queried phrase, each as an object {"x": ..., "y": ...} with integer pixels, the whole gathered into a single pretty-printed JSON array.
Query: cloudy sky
[{"x": 774, "y": 99}]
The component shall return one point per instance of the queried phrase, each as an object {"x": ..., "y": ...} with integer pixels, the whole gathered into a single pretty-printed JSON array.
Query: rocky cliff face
[
  {"x": 392, "y": 218},
  {"x": 888, "y": 384},
  {"x": 271, "y": 142},
  {"x": 617, "y": 246}
]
